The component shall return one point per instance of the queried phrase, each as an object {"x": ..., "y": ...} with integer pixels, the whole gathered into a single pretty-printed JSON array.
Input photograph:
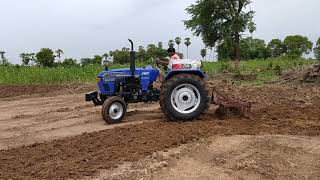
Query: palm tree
[
  {"x": 59, "y": 52},
  {"x": 32, "y": 57},
  {"x": 203, "y": 53},
  {"x": 2, "y": 55},
  {"x": 187, "y": 42},
  {"x": 105, "y": 56},
  {"x": 3, "y": 61},
  {"x": 178, "y": 42},
  {"x": 24, "y": 58},
  {"x": 171, "y": 43}
]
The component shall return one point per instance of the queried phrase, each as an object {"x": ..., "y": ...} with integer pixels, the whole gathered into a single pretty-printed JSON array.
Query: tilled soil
[
  {"x": 7, "y": 91},
  {"x": 27, "y": 121},
  {"x": 242, "y": 157},
  {"x": 228, "y": 157},
  {"x": 278, "y": 109}
]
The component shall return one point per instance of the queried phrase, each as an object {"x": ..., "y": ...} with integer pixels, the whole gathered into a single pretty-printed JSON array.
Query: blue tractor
[{"x": 183, "y": 95}]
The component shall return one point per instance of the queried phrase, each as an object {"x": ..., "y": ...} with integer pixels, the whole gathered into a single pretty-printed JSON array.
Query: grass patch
[{"x": 267, "y": 70}]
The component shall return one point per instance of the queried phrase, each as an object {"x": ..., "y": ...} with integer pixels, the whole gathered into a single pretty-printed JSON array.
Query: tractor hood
[{"x": 145, "y": 71}]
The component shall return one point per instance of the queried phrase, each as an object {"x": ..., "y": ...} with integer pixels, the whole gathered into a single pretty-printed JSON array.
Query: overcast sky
[{"x": 83, "y": 28}]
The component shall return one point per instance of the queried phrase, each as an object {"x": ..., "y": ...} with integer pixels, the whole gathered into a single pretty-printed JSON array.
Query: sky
[{"x": 83, "y": 28}]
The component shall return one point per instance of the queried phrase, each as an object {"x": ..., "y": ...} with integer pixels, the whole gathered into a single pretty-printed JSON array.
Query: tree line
[
  {"x": 293, "y": 47},
  {"x": 224, "y": 24},
  {"x": 251, "y": 48},
  {"x": 46, "y": 57}
]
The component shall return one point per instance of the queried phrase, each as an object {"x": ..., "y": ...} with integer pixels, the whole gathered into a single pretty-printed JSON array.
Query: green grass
[
  {"x": 35, "y": 75},
  {"x": 267, "y": 70},
  {"x": 11, "y": 75}
]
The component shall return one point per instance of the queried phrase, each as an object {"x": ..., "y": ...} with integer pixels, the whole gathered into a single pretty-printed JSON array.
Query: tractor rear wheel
[
  {"x": 184, "y": 97},
  {"x": 114, "y": 109}
]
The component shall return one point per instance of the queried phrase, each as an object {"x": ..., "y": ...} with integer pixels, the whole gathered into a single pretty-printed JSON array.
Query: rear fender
[{"x": 185, "y": 71}]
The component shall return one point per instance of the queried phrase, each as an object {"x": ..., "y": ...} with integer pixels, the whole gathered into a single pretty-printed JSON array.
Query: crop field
[
  {"x": 266, "y": 69},
  {"x": 48, "y": 131}
]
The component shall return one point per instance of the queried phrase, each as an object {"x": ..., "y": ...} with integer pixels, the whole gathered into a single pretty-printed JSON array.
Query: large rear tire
[
  {"x": 184, "y": 97},
  {"x": 114, "y": 110}
]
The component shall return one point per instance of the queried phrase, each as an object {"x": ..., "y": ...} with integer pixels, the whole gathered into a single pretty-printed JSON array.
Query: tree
[
  {"x": 2, "y": 55},
  {"x": 160, "y": 45},
  {"x": 187, "y": 42},
  {"x": 86, "y": 61},
  {"x": 251, "y": 27},
  {"x": 105, "y": 56},
  {"x": 203, "y": 53},
  {"x": 253, "y": 49},
  {"x": 171, "y": 43},
  {"x": 151, "y": 51},
  {"x": 122, "y": 56},
  {"x": 25, "y": 58},
  {"x": 220, "y": 20},
  {"x": 225, "y": 50},
  {"x": 111, "y": 53},
  {"x": 297, "y": 45},
  {"x": 59, "y": 53},
  {"x": 32, "y": 57},
  {"x": 141, "y": 55},
  {"x": 161, "y": 53},
  {"x": 45, "y": 57},
  {"x": 97, "y": 59},
  {"x": 4, "y": 60},
  {"x": 69, "y": 62},
  {"x": 250, "y": 49},
  {"x": 178, "y": 42},
  {"x": 317, "y": 50},
  {"x": 276, "y": 48}
]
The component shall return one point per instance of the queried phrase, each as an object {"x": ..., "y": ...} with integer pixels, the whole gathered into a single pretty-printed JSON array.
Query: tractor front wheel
[
  {"x": 184, "y": 97},
  {"x": 114, "y": 109}
]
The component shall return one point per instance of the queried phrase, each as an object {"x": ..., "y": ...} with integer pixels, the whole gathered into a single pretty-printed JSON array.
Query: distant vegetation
[
  {"x": 291, "y": 47},
  {"x": 223, "y": 27},
  {"x": 267, "y": 70}
]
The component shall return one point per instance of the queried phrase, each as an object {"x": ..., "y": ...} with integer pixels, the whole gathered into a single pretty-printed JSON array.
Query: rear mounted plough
[{"x": 229, "y": 106}]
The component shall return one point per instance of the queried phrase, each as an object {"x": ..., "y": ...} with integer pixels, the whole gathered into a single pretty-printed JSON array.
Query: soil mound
[{"x": 308, "y": 75}]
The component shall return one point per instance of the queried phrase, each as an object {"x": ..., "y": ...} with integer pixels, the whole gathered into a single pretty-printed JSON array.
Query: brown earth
[
  {"x": 229, "y": 157},
  {"x": 278, "y": 110},
  {"x": 28, "y": 120},
  {"x": 7, "y": 91}
]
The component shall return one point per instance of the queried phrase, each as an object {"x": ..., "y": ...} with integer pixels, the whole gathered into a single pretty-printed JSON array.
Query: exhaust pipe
[{"x": 132, "y": 59}]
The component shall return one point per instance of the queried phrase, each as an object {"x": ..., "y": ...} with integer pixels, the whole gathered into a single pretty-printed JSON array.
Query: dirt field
[{"x": 51, "y": 136}]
